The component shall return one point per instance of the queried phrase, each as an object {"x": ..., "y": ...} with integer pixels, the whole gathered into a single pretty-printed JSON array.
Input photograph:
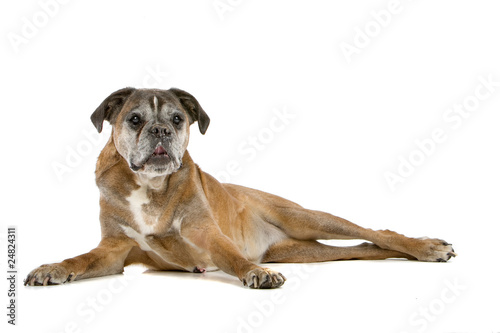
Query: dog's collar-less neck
[{"x": 155, "y": 183}]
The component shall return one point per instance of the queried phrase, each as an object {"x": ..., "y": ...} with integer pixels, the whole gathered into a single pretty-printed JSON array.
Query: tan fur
[{"x": 200, "y": 224}]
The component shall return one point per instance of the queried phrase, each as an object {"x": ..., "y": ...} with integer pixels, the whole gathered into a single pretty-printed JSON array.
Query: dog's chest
[
  {"x": 144, "y": 213},
  {"x": 142, "y": 221},
  {"x": 149, "y": 218}
]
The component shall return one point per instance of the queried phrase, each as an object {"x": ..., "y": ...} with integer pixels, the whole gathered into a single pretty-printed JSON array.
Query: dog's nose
[{"x": 161, "y": 131}]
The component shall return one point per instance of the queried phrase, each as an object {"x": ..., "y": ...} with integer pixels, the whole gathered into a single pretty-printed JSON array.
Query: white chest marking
[{"x": 136, "y": 199}]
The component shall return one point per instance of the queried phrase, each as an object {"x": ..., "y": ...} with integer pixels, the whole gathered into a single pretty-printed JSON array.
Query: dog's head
[{"x": 151, "y": 126}]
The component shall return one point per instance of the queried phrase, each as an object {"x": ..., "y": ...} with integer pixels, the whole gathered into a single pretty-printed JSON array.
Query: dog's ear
[
  {"x": 193, "y": 108},
  {"x": 110, "y": 108}
]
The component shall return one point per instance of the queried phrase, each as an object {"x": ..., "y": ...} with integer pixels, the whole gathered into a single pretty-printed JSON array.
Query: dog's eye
[
  {"x": 135, "y": 120},
  {"x": 177, "y": 120}
]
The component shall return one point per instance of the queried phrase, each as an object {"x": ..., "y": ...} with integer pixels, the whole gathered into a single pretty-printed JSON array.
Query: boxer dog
[{"x": 159, "y": 209}]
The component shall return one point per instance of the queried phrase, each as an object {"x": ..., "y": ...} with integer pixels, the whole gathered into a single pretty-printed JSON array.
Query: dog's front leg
[
  {"x": 226, "y": 256},
  {"x": 106, "y": 259}
]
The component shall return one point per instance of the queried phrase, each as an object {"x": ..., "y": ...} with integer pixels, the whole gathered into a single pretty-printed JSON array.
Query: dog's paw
[
  {"x": 263, "y": 278},
  {"x": 432, "y": 249},
  {"x": 49, "y": 275}
]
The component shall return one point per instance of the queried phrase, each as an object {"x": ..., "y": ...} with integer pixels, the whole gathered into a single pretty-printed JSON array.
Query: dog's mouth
[
  {"x": 157, "y": 159},
  {"x": 159, "y": 152}
]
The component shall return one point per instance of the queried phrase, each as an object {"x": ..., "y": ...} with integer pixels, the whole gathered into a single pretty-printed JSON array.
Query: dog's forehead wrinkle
[
  {"x": 158, "y": 104},
  {"x": 141, "y": 107},
  {"x": 166, "y": 111}
]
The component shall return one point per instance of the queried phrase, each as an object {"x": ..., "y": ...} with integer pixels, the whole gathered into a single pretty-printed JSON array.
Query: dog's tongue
[{"x": 160, "y": 151}]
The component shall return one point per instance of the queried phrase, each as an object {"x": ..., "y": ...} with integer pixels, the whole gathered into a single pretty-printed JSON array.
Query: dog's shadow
[{"x": 214, "y": 276}]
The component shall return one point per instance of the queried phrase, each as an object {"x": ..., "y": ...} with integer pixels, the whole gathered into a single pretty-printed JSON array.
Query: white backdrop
[{"x": 382, "y": 112}]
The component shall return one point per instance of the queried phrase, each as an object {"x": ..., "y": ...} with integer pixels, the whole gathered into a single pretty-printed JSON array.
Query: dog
[{"x": 159, "y": 209}]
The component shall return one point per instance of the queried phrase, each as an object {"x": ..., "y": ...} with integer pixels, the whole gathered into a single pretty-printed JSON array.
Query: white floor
[{"x": 349, "y": 296}]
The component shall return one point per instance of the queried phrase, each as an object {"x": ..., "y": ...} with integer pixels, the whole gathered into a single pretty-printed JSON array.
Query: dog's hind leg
[
  {"x": 302, "y": 251},
  {"x": 303, "y": 224}
]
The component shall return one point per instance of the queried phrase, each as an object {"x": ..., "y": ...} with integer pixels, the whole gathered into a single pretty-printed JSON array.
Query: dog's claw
[
  {"x": 255, "y": 282},
  {"x": 263, "y": 278},
  {"x": 434, "y": 250},
  {"x": 48, "y": 275},
  {"x": 46, "y": 281},
  {"x": 71, "y": 277}
]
